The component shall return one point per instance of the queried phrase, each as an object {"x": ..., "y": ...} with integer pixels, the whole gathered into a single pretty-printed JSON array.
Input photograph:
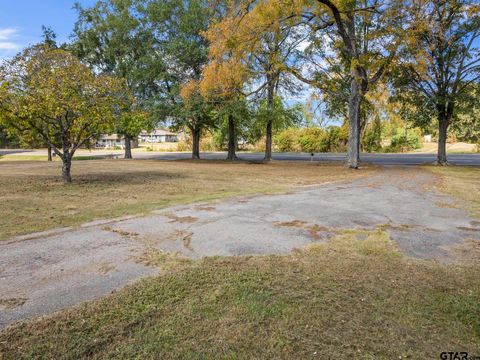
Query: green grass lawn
[
  {"x": 35, "y": 199},
  {"x": 349, "y": 299}
]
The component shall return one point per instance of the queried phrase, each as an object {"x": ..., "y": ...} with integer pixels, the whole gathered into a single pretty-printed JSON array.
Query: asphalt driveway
[{"x": 44, "y": 272}]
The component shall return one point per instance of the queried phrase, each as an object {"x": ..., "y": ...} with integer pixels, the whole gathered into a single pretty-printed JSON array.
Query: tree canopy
[{"x": 50, "y": 92}]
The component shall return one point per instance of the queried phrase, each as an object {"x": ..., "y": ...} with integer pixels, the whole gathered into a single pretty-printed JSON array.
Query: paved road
[
  {"x": 379, "y": 159},
  {"x": 51, "y": 271}
]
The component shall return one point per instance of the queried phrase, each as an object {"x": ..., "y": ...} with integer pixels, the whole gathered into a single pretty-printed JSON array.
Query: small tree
[
  {"x": 52, "y": 93},
  {"x": 196, "y": 114}
]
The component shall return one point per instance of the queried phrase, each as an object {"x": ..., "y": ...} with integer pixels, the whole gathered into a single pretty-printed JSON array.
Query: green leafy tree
[
  {"x": 276, "y": 115},
  {"x": 49, "y": 91},
  {"x": 441, "y": 65},
  {"x": 466, "y": 126},
  {"x": 372, "y": 139},
  {"x": 197, "y": 115},
  {"x": 110, "y": 36}
]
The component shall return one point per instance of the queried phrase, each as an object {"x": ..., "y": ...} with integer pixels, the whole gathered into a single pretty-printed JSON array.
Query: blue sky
[{"x": 21, "y": 22}]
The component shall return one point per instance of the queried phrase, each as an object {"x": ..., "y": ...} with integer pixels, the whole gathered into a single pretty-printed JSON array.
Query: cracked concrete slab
[{"x": 53, "y": 270}]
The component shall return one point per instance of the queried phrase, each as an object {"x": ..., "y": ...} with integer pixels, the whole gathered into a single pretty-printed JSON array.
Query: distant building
[
  {"x": 158, "y": 136},
  {"x": 427, "y": 138},
  {"x": 113, "y": 141}
]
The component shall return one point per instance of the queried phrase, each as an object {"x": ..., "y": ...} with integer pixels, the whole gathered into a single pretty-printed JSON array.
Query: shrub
[
  {"x": 405, "y": 141},
  {"x": 287, "y": 140},
  {"x": 208, "y": 143},
  {"x": 372, "y": 139},
  {"x": 184, "y": 146},
  {"x": 336, "y": 138},
  {"x": 312, "y": 140}
]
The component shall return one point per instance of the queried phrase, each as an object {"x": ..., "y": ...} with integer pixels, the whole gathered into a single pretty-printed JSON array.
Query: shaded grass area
[
  {"x": 349, "y": 298},
  {"x": 34, "y": 198},
  {"x": 13, "y": 157},
  {"x": 20, "y": 158},
  {"x": 463, "y": 184}
]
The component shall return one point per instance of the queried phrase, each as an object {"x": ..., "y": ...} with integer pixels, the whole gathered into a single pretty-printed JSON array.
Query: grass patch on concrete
[
  {"x": 348, "y": 299},
  {"x": 463, "y": 184},
  {"x": 34, "y": 198}
]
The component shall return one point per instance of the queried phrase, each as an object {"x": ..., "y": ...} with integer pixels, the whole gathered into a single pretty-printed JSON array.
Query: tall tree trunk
[
  {"x": 268, "y": 142},
  {"x": 354, "y": 101},
  {"x": 268, "y": 137},
  {"x": 231, "y": 139},
  {"x": 49, "y": 150},
  {"x": 66, "y": 166},
  {"x": 128, "y": 147},
  {"x": 362, "y": 120},
  {"x": 195, "y": 143},
  {"x": 442, "y": 139}
]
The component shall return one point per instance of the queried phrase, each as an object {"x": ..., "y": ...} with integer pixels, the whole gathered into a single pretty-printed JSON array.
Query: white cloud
[
  {"x": 6, "y": 45},
  {"x": 9, "y": 42},
  {"x": 7, "y": 33}
]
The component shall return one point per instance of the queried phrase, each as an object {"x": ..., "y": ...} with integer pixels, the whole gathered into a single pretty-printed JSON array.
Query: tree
[
  {"x": 280, "y": 116},
  {"x": 178, "y": 56},
  {"x": 442, "y": 64},
  {"x": 129, "y": 122},
  {"x": 241, "y": 41},
  {"x": 196, "y": 113},
  {"x": 49, "y": 39},
  {"x": 380, "y": 23},
  {"x": 157, "y": 47},
  {"x": 51, "y": 92},
  {"x": 221, "y": 84},
  {"x": 466, "y": 125},
  {"x": 111, "y": 38}
]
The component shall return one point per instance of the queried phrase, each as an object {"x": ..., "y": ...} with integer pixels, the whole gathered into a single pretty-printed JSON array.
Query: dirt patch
[
  {"x": 465, "y": 228},
  {"x": 294, "y": 223},
  {"x": 205, "y": 208},
  {"x": 362, "y": 223},
  {"x": 181, "y": 219},
  {"x": 120, "y": 232},
  {"x": 446, "y": 205},
  {"x": 469, "y": 250},
  {"x": 187, "y": 240},
  {"x": 163, "y": 260},
  {"x": 397, "y": 227},
  {"x": 317, "y": 232},
  {"x": 106, "y": 268},
  {"x": 12, "y": 303}
]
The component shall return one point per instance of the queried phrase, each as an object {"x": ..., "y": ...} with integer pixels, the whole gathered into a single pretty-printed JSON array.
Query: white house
[
  {"x": 157, "y": 136},
  {"x": 113, "y": 141}
]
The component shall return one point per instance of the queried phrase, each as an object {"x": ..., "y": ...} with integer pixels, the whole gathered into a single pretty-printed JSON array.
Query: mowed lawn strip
[
  {"x": 354, "y": 297},
  {"x": 463, "y": 184},
  {"x": 35, "y": 199}
]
